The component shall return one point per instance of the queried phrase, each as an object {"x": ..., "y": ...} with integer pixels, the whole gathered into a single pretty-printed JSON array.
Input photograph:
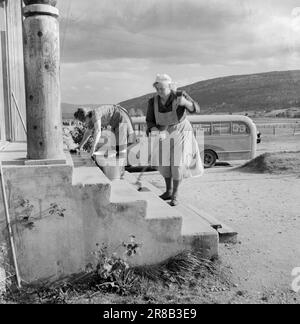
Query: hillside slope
[{"x": 255, "y": 92}]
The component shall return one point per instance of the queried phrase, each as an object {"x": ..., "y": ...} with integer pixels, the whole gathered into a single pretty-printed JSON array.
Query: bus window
[
  {"x": 221, "y": 129},
  {"x": 206, "y": 128},
  {"x": 239, "y": 128}
]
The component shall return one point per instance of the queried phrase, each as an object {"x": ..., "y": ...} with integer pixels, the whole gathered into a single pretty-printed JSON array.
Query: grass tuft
[{"x": 146, "y": 284}]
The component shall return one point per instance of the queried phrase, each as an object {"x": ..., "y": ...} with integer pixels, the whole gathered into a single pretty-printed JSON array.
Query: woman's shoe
[
  {"x": 174, "y": 202},
  {"x": 166, "y": 196}
]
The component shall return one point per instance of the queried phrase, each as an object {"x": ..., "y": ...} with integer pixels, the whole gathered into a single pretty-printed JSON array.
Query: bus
[{"x": 226, "y": 137}]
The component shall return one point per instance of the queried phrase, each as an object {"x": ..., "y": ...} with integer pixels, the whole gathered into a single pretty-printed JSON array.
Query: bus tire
[{"x": 210, "y": 159}]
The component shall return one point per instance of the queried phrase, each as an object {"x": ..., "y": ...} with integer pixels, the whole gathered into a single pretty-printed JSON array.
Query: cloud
[
  {"x": 176, "y": 31},
  {"x": 124, "y": 43},
  {"x": 106, "y": 81},
  {"x": 146, "y": 29}
]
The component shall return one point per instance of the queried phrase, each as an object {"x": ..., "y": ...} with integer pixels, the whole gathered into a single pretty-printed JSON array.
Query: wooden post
[{"x": 42, "y": 80}]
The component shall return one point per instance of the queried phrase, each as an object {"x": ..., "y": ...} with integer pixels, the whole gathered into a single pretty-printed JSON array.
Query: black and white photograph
[{"x": 149, "y": 154}]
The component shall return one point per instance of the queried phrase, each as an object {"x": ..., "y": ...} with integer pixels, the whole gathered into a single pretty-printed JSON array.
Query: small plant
[
  {"x": 24, "y": 211},
  {"x": 27, "y": 208},
  {"x": 132, "y": 248},
  {"x": 56, "y": 210},
  {"x": 113, "y": 272}
]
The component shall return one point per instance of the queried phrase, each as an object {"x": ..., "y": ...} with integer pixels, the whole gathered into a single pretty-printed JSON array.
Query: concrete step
[
  {"x": 87, "y": 174},
  {"x": 195, "y": 233},
  {"x": 192, "y": 223},
  {"x": 82, "y": 160},
  {"x": 198, "y": 234},
  {"x": 193, "y": 216},
  {"x": 161, "y": 219},
  {"x": 124, "y": 191},
  {"x": 212, "y": 221},
  {"x": 226, "y": 233},
  {"x": 188, "y": 216}
]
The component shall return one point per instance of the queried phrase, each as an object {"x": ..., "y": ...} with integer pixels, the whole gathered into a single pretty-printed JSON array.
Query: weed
[
  {"x": 56, "y": 210},
  {"x": 114, "y": 272}
]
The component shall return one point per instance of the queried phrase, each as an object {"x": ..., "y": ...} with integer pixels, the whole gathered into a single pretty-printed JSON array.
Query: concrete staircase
[
  {"x": 163, "y": 230},
  {"x": 192, "y": 215},
  {"x": 61, "y": 214}
]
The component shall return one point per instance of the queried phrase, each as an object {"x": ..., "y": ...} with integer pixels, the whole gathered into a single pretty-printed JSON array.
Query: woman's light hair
[{"x": 165, "y": 79}]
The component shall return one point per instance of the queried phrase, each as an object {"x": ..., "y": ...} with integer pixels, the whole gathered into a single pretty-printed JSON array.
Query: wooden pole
[
  {"x": 11, "y": 237},
  {"x": 42, "y": 81}
]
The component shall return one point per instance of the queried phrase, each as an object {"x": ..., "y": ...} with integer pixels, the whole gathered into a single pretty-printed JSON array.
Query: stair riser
[{"x": 206, "y": 244}]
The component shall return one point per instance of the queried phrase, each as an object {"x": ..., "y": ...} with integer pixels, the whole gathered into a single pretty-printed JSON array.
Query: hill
[
  {"x": 263, "y": 92},
  {"x": 255, "y": 92}
]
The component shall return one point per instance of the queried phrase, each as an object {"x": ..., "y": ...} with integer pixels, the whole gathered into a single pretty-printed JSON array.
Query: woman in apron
[
  {"x": 177, "y": 156},
  {"x": 114, "y": 116}
]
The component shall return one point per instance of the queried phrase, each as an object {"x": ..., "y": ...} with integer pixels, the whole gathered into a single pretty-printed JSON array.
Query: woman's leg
[
  {"x": 177, "y": 178},
  {"x": 166, "y": 173},
  {"x": 168, "y": 194},
  {"x": 176, "y": 169}
]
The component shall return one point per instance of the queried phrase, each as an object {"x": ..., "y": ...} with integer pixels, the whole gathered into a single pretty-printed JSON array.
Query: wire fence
[{"x": 281, "y": 129}]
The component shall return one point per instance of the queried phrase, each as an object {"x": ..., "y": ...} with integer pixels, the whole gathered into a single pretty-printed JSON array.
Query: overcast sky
[{"x": 112, "y": 49}]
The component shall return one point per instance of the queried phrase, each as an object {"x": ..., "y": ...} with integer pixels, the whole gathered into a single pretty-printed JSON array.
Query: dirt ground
[{"x": 265, "y": 210}]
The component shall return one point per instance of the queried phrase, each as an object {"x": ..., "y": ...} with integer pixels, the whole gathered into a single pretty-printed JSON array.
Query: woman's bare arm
[
  {"x": 97, "y": 127},
  {"x": 190, "y": 104},
  {"x": 86, "y": 136}
]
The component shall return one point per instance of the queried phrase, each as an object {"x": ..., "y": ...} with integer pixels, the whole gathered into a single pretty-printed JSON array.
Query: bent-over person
[{"x": 114, "y": 116}]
